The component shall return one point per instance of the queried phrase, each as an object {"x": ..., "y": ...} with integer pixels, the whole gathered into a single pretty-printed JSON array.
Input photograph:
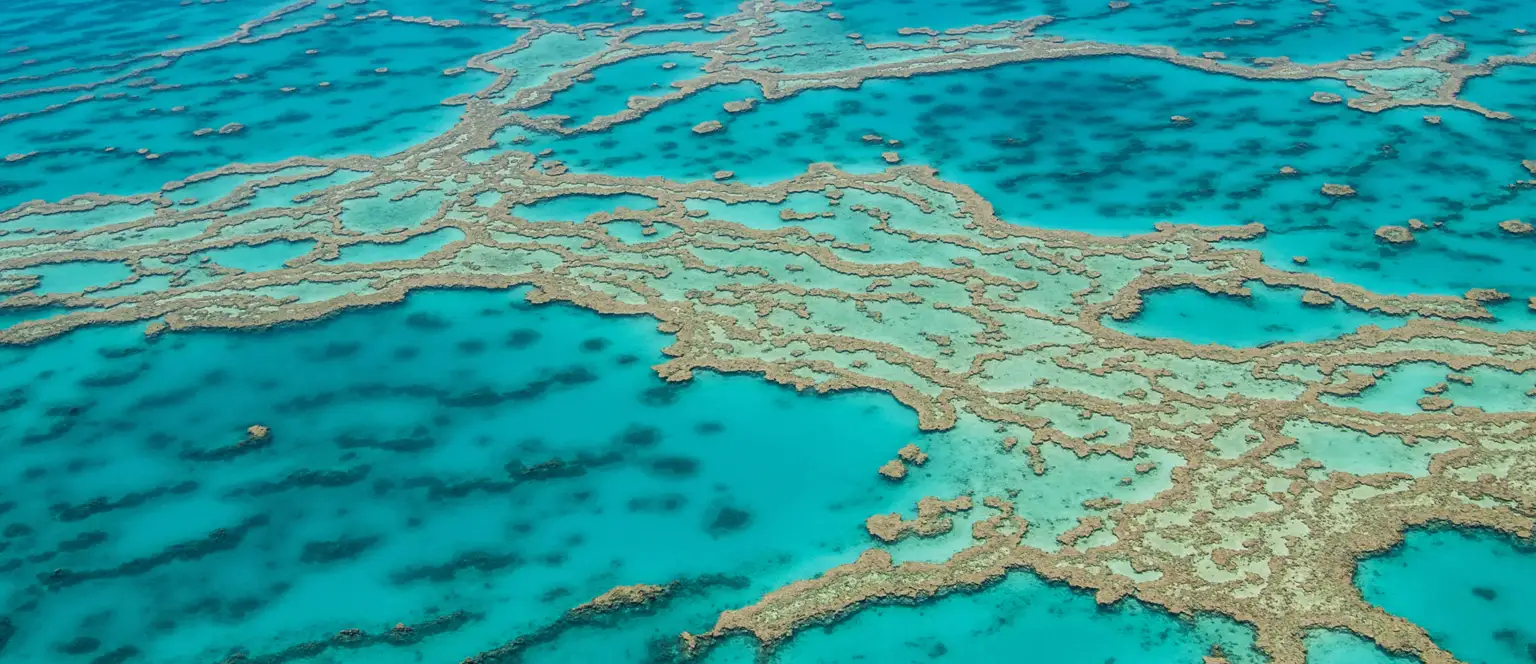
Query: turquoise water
[
  {"x": 393, "y": 428},
  {"x": 1325, "y": 647},
  {"x": 358, "y": 112},
  {"x": 1266, "y": 316},
  {"x": 1494, "y": 390},
  {"x": 1470, "y": 590},
  {"x": 612, "y": 86},
  {"x": 472, "y": 466},
  {"x": 258, "y": 257}
]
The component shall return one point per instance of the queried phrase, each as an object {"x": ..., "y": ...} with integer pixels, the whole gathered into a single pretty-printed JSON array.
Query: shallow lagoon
[{"x": 1268, "y": 315}]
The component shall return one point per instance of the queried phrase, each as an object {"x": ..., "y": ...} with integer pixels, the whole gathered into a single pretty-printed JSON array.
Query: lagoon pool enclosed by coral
[{"x": 870, "y": 330}]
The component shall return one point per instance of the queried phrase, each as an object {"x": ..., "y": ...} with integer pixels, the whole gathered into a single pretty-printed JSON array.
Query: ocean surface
[{"x": 214, "y": 449}]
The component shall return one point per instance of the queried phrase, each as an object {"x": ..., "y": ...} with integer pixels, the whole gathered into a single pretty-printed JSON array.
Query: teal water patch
[
  {"x": 665, "y": 37},
  {"x": 382, "y": 84},
  {"x": 71, "y": 221},
  {"x": 388, "y": 212},
  {"x": 1269, "y": 315},
  {"x": 764, "y": 216},
  {"x": 1403, "y": 385},
  {"x": 1330, "y": 647},
  {"x": 257, "y": 257},
  {"x": 459, "y": 418},
  {"x": 1355, "y": 452},
  {"x": 154, "y": 283},
  {"x": 75, "y": 276},
  {"x": 575, "y": 208},
  {"x": 488, "y": 199},
  {"x": 213, "y": 189},
  {"x": 1509, "y": 89},
  {"x": 283, "y": 195},
  {"x": 613, "y": 85},
  {"x": 539, "y": 61},
  {"x": 633, "y": 232},
  {"x": 1511, "y": 316},
  {"x": 13, "y": 315},
  {"x": 63, "y": 37},
  {"x": 1403, "y": 82},
  {"x": 1473, "y": 591}
]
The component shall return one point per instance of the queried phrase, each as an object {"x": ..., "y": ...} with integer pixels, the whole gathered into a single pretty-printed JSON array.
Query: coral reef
[{"x": 899, "y": 282}]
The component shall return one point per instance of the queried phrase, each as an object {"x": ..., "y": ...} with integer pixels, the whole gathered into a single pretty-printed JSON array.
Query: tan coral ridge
[
  {"x": 619, "y": 597},
  {"x": 931, "y": 521},
  {"x": 874, "y": 577}
]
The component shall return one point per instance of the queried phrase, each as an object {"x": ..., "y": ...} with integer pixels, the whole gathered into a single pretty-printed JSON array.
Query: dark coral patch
[{"x": 727, "y": 520}]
